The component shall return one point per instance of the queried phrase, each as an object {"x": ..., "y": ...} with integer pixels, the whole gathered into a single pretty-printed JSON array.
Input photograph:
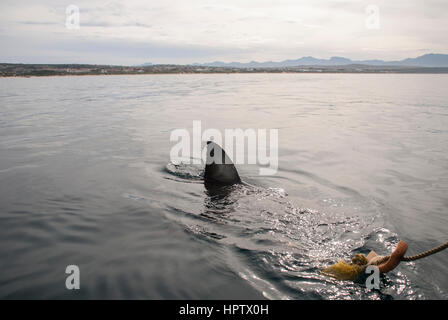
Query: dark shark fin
[{"x": 219, "y": 169}]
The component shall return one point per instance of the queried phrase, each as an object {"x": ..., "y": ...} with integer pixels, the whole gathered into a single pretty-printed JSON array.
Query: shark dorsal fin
[{"x": 219, "y": 169}]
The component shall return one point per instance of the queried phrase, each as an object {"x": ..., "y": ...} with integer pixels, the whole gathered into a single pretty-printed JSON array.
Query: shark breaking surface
[{"x": 221, "y": 172}]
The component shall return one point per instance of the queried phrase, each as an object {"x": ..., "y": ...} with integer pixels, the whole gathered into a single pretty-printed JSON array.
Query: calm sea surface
[{"x": 86, "y": 180}]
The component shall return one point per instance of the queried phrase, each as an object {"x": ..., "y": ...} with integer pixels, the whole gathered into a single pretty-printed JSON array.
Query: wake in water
[{"x": 279, "y": 248}]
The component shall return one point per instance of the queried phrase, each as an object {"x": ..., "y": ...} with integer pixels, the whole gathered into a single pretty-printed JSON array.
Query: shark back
[{"x": 219, "y": 169}]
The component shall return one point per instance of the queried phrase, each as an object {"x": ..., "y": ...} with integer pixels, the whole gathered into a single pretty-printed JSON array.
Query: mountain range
[{"x": 427, "y": 60}]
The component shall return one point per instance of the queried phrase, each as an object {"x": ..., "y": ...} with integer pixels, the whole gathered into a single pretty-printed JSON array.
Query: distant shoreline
[
  {"x": 45, "y": 70},
  {"x": 209, "y": 73}
]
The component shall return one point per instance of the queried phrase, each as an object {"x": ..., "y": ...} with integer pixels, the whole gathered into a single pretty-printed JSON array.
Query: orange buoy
[{"x": 393, "y": 261}]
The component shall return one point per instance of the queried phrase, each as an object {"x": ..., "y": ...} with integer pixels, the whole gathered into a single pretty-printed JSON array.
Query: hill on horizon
[{"x": 427, "y": 60}]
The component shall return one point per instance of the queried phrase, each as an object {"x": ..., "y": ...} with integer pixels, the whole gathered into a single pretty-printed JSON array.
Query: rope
[
  {"x": 426, "y": 253},
  {"x": 417, "y": 256}
]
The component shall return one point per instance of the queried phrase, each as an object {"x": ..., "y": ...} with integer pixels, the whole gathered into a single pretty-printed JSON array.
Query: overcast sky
[{"x": 186, "y": 31}]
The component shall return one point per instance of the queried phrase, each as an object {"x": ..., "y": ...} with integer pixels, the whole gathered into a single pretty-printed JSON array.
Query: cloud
[
  {"x": 38, "y": 23},
  {"x": 221, "y": 30}
]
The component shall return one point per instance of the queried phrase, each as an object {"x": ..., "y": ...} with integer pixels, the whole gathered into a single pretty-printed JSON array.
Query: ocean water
[{"x": 86, "y": 180}]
